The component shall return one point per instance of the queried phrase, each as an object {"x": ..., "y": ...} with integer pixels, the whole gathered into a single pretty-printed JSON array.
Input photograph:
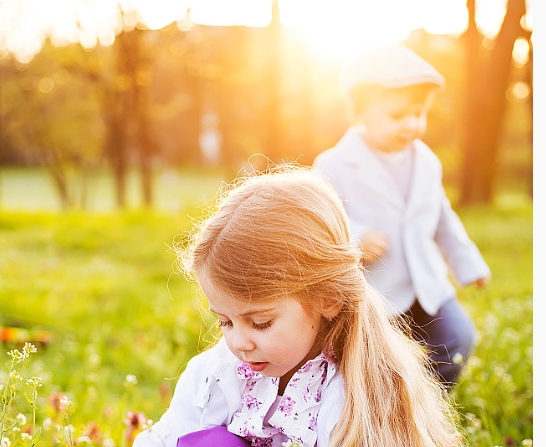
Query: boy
[{"x": 391, "y": 184}]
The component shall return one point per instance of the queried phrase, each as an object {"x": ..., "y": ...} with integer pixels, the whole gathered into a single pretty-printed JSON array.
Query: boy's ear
[{"x": 331, "y": 308}]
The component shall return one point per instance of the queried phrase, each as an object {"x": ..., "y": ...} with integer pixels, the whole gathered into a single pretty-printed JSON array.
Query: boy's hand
[
  {"x": 373, "y": 245},
  {"x": 482, "y": 282}
]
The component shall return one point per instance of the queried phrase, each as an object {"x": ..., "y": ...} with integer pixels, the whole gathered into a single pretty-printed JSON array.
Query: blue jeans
[{"x": 449, "y": 337}]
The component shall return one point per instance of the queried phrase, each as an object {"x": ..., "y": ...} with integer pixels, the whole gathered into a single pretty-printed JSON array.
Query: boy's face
[{"x": 394, "y": 118}]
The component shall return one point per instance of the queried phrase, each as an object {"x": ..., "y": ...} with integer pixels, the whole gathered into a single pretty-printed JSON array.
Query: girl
[{"x": 308, "y": 352}]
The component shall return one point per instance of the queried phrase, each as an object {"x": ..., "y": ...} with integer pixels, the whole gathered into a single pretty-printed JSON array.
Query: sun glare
[
  {"x": 233, "y": 12},
  {"x": 489, "y": 16},
  {"x": 445, "y": 17},
  {"x": 160, "y": 13},
  {"x": 334, "y": 30},
  {"x": 331, "y": 29}
]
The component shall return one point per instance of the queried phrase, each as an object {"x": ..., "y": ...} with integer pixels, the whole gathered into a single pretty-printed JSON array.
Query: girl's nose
[{"x": 240, "y": 340}]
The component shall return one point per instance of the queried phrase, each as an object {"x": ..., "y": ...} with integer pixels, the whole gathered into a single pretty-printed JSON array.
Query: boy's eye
[
  {"x": 397, "y": 116},
  {"x": 262, "y": 326},
  {"x": 222, "y": 323}
]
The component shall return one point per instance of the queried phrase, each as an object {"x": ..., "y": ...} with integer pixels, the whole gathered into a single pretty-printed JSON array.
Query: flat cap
[{"x": 390, "y": 66}]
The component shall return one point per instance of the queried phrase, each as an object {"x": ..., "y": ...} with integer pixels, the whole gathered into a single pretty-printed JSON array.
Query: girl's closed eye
[
  {"x": 257, "y": 326},
  {"x": 262, "y": 326},
  {"x": 224, "y": 323}
]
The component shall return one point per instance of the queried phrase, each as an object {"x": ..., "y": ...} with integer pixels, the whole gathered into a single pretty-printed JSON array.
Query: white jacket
[
  {"x": 208, "y": 394},
  {"x": 428, "y": 244}
]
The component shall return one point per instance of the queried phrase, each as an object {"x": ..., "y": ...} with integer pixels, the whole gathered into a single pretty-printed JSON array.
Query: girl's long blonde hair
[{"x": 285, "y": 233}]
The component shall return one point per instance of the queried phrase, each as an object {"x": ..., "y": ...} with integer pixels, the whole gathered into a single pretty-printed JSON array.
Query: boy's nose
[{"x": 416, "y": 124}]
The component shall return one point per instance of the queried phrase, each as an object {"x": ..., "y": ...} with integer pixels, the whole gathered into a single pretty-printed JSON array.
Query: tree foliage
[
  {"x": 47, "y": 114},
  {"x": 156, "y": 98}
]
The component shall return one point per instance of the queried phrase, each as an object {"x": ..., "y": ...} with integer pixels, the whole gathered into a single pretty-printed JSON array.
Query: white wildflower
[
  {"x": 65, "y": 401},
  {"x": 458, "y": 358},
  {"x": 14, "y": 375},
  {"x": 17, "y": 357},
  {"x": 47, "y": 424},
  {"x": 34, "y": 382},
  {"x": 70, "y": 429},
  {"x": 28, "y": 349},
  {"x": 130, "y": 379},
  {"x": 21, "y": 418}
]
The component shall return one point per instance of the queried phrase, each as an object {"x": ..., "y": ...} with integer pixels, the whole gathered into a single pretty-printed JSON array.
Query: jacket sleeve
[
  {"x": 461, "y": 254},
  {"x": 184, "y": 415}
]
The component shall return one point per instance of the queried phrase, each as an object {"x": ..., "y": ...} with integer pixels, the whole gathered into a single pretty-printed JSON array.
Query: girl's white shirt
[{"x": 210, "y": 393}]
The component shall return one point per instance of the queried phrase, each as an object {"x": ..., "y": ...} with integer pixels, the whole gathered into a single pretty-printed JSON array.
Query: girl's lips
[{"x": 257, "y": 366}]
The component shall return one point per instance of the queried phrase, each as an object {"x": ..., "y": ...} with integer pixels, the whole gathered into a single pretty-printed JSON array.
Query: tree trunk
[
  {"x": 116, "y": 146},
  {"x": 61, "y": 183},
  {"x": 273, "y": 135},
  {"x": 472, "y": 45},
  {"x": 53, "y": 161},
  {"x": 118, "y": 113},
  {"x": 141, "y": 81},
  {"x": 190, "y": 146},
  {"x": 529, "y": 74},
  {"x": 487, "y": 82}
]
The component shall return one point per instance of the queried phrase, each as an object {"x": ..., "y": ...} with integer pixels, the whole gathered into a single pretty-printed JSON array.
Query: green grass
[
  {"x": 104, "y": 284},
  {"x": 175, "y": 190},
  {"x": 496, "y": 390}
]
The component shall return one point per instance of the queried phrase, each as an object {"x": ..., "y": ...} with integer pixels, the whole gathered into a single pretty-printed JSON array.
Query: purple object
[{"x": 212, "y": 437}]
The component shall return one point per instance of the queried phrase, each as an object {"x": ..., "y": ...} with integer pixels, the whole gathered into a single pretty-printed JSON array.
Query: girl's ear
[{"x": 331, "y": 308}]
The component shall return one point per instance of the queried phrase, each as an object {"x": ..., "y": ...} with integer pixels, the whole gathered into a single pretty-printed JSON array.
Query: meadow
[{"x": 113, "y": 323}]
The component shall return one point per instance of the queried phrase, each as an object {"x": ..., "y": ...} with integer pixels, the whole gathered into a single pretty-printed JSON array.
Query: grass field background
[{"x": 124, "y": 323}]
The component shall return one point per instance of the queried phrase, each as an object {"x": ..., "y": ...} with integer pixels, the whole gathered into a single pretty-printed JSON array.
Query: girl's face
[
  {"x": 275, "y": 338},
  {"x": 394, "y": 118}
]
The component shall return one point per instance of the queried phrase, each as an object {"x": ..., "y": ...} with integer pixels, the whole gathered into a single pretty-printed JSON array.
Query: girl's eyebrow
[{"x": 246, "y": 314}]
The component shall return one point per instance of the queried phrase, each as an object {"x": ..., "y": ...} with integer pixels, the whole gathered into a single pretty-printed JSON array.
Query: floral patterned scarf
[{"x": 267, "y": 420}]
